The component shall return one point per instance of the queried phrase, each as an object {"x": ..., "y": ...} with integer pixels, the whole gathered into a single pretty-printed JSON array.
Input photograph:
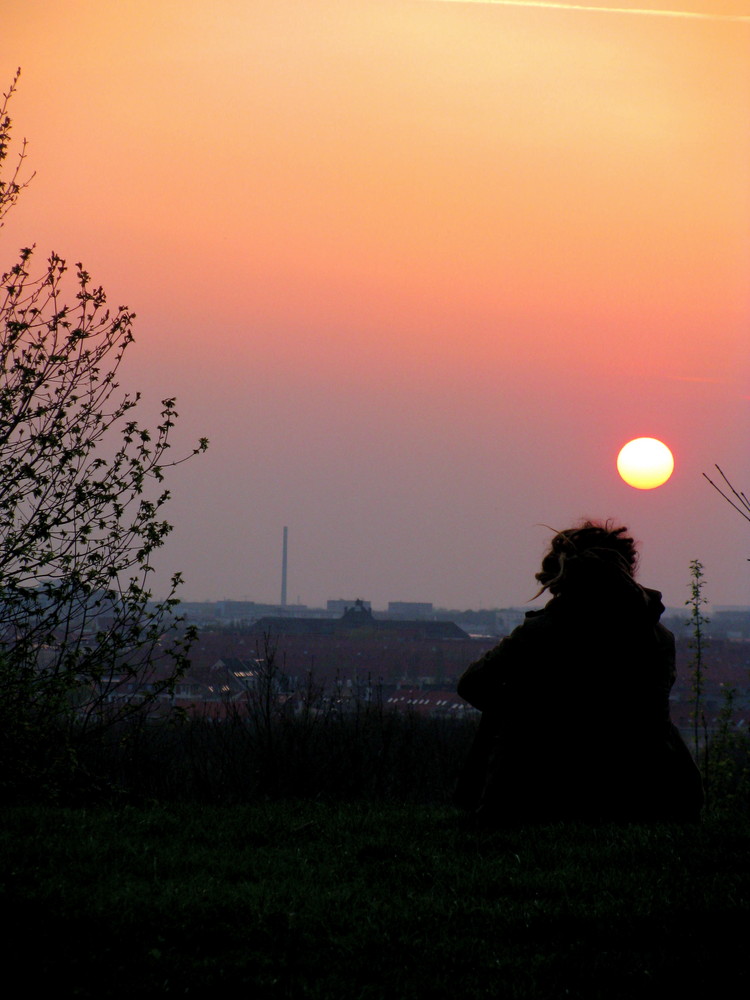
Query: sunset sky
[{"x": 417, "y": 268}]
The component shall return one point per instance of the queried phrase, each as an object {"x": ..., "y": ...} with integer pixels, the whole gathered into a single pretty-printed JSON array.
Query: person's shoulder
[{"x": 537, "y": 622}]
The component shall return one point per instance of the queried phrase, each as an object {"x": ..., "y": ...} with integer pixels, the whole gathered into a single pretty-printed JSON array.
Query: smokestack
[{"x": 283, "y": 568}]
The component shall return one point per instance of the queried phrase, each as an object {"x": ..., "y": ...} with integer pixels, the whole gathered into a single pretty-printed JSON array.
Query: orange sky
[{"x": 417, "y": 269}]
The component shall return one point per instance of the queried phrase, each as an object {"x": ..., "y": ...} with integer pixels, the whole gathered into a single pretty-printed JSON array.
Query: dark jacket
[{"x": 575, "y": 715}]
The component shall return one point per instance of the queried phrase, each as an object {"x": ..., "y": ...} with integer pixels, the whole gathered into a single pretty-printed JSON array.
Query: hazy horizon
[{"x": 417, "y": 269}]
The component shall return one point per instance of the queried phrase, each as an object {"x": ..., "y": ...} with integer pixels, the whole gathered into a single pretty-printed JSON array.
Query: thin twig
[{"x": 740, "y": 496}]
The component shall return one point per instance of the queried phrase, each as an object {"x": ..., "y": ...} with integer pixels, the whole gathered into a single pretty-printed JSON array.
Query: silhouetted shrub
[{"x": 366, "y": 753}]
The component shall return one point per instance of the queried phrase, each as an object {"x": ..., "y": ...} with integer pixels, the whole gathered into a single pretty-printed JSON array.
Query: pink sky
[{"x": 418, "y": 270}]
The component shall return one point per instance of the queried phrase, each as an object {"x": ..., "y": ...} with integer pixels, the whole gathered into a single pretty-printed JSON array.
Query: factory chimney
[{"x": 283, "y": 568}]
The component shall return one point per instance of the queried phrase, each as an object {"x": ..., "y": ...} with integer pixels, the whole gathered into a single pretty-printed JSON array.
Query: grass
[{"x": 302, "y": 899}]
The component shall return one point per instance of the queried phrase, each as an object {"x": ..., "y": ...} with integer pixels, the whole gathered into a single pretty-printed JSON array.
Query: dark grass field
[{"x": 300, "y": 899}]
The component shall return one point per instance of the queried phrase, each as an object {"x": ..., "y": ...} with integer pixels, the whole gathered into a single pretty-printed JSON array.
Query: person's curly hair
[{"x": 595, "y": 545}]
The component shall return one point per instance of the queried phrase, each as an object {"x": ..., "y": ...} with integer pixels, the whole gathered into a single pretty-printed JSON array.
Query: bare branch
[{"x": 742, "y": 506}]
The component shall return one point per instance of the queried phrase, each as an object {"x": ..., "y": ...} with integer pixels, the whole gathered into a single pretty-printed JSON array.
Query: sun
[{"x": 645, "y": 463}]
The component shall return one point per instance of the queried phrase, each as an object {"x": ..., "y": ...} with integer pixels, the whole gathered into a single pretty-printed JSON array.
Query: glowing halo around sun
[{"x": 645, "y": 463}]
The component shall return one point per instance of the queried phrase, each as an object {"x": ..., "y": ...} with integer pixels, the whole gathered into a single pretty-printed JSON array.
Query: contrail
[
  {"x": 643, "y": 11},
  {"x": 694, "y": 378}
]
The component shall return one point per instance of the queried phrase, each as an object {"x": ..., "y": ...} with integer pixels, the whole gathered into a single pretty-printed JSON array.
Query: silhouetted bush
[{"x": 366, "y": 753}]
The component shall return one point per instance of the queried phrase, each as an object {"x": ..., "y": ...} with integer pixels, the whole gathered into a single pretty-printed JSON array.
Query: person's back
[{"x": 575, "y": 706}]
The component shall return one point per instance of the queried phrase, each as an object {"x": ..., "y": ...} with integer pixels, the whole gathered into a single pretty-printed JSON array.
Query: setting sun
[{"x": 645, "y": 463}]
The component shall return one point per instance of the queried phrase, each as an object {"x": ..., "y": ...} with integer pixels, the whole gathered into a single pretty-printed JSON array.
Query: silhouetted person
[{"x": 575, "y": 701}]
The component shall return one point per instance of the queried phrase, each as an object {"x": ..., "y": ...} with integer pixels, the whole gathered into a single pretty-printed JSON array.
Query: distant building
[
  {"x": 357, "y": 620},
  {"x": 506, "y": 619},
  {"x": 237, "y": 610},
  {"x": 729, "y": 622},
  {"x": 339, "y": 606},
  {"x": 409, "y": 609}
]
